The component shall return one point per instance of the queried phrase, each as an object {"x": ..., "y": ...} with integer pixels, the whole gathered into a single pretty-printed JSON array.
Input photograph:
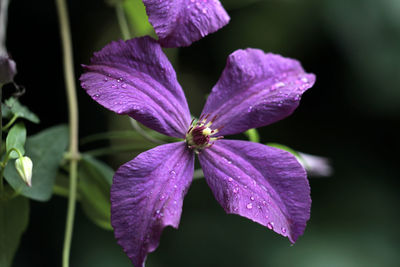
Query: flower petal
[
  {"x": 147, "y": 195},
  {"x": 256, "y": 89},
  {"x": 180, "y": 23},
  {"x": 264, "y": 184},
  {"x": 136, "y": 78},
  {"x": 8, "y": 69}
]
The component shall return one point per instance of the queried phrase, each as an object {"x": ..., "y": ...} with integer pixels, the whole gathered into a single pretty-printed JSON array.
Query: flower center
[{"x": 198, "y": 137}]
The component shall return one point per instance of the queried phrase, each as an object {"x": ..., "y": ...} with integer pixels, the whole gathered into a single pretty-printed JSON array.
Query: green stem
[
  {"x": 143, "y": 133},
  {"x": 8, "y": 125},
  {"x": 123, "y": 23},
  {"x": 117, "y": 149},
  {"x": 73, "y": 125},
  {"x": 198, "y": 174},
  {"x": 1, "y": 137}
]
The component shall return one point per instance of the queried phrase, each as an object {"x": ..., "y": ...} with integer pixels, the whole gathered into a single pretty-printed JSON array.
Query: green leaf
[
  {"x": 16, "y": 139},
  {"x": 95, "y": 178},
  {"x": 13, "y": 107},
  {"x": 253, "y": 135},
  {"x": 14, "y": 217},
  {"x": 46, "y": 149},
  {"x": 137, "y": 17}
]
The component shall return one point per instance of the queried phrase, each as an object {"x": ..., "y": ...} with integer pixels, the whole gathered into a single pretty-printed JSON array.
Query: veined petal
[
  {"x": 181, "y": 22},
  {"x": 136, "y": 78},
  {"x": 256, "y": 89},
  {"x": 264, "y": 184},
  {"x": 147, "y": 195}
]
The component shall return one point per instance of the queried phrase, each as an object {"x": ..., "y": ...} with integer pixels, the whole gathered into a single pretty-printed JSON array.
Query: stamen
[{"x": 198, "y": 136}]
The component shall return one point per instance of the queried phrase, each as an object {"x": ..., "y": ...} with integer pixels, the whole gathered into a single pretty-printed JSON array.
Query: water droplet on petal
[
  {"x": 304, "y": 79},
  {"x": 249, "y": 206},
  {"x": 283, "y": 230},
  {"x": 123, "y": 85},
  {"x": 252, "y": 198},
  {"x": 236, "y": 190},
  {"x": 250, "y": 109},
  {"x": 270, "y": 225},
  {"x": 230, "y": 179}
]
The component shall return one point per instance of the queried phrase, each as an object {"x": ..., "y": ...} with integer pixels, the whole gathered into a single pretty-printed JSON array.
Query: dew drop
[
  {"x": 252, "y": 198},
  {"x": 270, "y": 225},
  {"x": 236, "y": 190},
  {"x": 277, "y": 85},
  {"x": 249, "y": 206},
  {"x": 304, "y": 79},
  {"x": 175, "y": 186},
  {"x": 113, "y": 86},
  {"x": 249, "y": 109},
  {"x": 105, "y": 79},
  {"x": 172, "y": 172},
  {"x": 230, "y": 179},
  {"x": 283, "y": 230},
  {"x": 123, "y": 85}
]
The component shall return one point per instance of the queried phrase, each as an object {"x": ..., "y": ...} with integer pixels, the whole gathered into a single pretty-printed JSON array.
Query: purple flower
[
  {"x": 262, "y": 183},
  {"x": 180, "y": 23}
]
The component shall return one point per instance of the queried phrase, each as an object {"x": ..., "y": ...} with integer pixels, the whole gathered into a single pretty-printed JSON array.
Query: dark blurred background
[{"x": 351, "y": 116}]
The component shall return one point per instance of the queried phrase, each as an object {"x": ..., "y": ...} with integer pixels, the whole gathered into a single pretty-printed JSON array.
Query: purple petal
[
  {"x": 256, "y": 89},
  {"x": 147, "y": 195},
  {"x": 8, "y": 69},
  {"x": 180, "y": 23},
  {"x": 264, "y": 184},
  {"x": 136, "y": 78}
]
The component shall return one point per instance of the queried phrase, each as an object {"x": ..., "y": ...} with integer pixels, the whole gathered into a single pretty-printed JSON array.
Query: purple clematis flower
[
  {"x": 262, "y": 183},
  {"x": 180, "y": 23}
]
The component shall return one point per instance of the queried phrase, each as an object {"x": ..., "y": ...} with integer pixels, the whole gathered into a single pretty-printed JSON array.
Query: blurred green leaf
[
  {"x": 46, "y": 149},
  {"x": 13, "y": 107},
  {"x": 253, "y": 135},
  {"x": 129, "y": 135},
  {"x": 16, "y": 139},
  {"x": 95, "y": 178},
  {"x": 14, "y": 217},
  {"x": 137, "y": 17}
]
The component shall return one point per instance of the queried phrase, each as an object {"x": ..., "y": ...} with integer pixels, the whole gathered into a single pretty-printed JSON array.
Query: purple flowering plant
[{"x": 262, "y": 183}]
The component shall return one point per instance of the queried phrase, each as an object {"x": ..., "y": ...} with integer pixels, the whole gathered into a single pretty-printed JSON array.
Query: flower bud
[{"x": 24, "y": 169}]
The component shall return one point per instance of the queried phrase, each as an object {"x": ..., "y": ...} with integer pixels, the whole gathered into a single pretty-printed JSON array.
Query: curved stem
[
  {"x": 8, "y": 125},
  {"x": 73, "y": 124}
]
